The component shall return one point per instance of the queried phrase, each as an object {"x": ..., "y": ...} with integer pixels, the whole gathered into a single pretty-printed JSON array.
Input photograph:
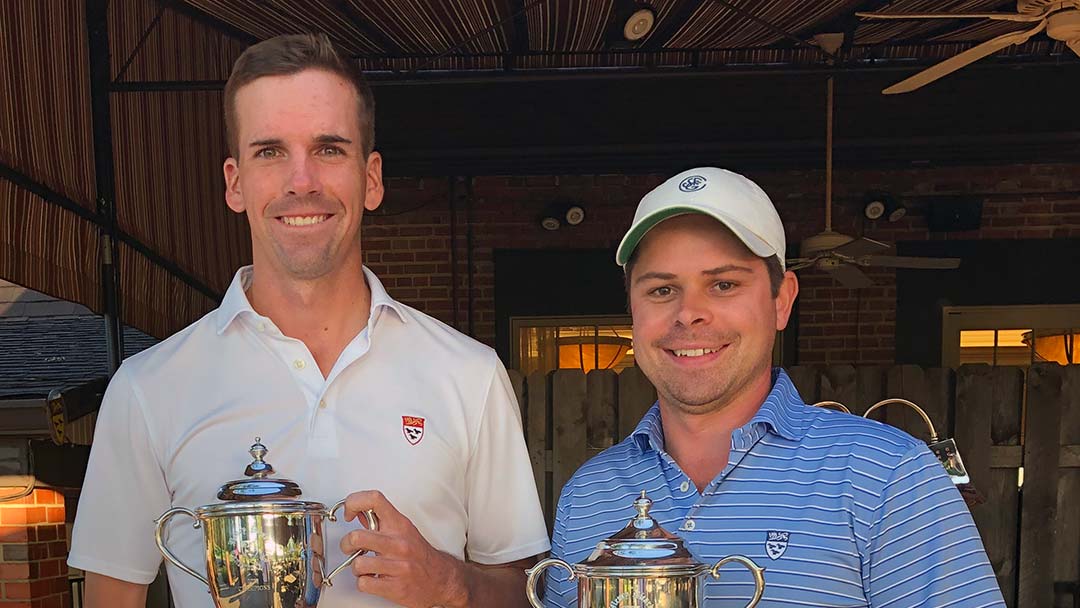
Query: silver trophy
[
  {"x": 264, "y": 548},
  {"x": 643, "y": 566}
]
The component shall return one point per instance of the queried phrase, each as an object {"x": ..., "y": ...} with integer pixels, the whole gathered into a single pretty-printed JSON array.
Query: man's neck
[
  {"x": 701, "y": 443},
  {"x": 325, "y": 313}
]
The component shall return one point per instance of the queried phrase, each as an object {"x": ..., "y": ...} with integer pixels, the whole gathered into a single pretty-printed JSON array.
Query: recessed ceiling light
[{"x": 639, "y": 24}]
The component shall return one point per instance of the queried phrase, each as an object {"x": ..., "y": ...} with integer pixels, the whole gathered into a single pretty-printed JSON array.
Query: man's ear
[
  {"x": 785, "y": 299},
  {"x": 374, "y": 182},
  {"x": 233, "y": 197}
]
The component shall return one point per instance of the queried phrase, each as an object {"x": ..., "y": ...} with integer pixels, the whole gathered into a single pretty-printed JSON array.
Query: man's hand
[{"x": 407, "y": 570}]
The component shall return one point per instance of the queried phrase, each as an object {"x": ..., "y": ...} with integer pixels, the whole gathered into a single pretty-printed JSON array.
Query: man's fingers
[
  {"x": 378, "y": 542},
  {"x": 358, "y": 502},
  {"x": 383, "y": 586},
  {"x": 369, "y": 565}
]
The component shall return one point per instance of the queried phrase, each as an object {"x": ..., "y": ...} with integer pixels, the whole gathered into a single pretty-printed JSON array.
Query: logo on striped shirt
[{"x": 776, "y": 543}]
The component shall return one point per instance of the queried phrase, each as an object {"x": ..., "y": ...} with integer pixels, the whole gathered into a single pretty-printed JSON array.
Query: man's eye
[
  {"x": 267, "y": 153},
  {"x": 725, "y": 285},
  {"x": 662, "y": 292},
  {"x": 331, "y": 151}
]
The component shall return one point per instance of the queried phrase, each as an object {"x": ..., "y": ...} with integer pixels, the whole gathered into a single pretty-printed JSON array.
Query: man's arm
[
  {"x": 925, "y": 551},
  {"x": 498, "y": 585},
  {"x": 106, "y": 592},
  {"x": 404, "y": 568}
]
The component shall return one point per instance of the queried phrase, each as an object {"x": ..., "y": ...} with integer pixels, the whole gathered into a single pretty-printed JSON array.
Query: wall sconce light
[{"x": 879, "y": 204}]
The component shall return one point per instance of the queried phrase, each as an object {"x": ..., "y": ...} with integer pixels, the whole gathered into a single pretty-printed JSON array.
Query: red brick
[
  {"x": 14, "y": 534},
  {"x": 14, "y": 572},
  {"x": 17, "y": 591},
  {"x": 54, "y": 515}
]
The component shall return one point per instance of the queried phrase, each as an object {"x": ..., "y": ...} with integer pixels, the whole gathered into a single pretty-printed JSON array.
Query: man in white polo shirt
[{"x": 351, "y": 391}]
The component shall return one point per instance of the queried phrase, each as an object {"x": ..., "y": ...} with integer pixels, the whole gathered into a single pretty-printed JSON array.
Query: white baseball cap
[{"x": 732, "y": 199}]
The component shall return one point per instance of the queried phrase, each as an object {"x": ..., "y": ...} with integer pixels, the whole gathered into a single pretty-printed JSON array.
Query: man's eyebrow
[
  {"x": 325, "y": 138},
  {"x": 662, "y": 276},
  {"x": 667, "y": 276},
  {"x": 727, "y": 268},
  {"x": 273, "y": 141},
  {"x": 329, "y": 138}
]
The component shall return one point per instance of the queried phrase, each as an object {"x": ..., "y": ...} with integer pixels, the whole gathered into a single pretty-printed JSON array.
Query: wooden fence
[{"x": 1031, "y": 534}]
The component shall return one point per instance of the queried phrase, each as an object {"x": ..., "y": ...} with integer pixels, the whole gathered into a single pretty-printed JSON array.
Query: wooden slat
[
  {"x": 856, "y": 387},
  {"x": 839, "y": 383},
  {"x": 1067, "y": 532},
  {"x": 930, "y": 389},
  {"x": 518, "y": 382},
  {"x": 1042, "y": 434},
  {"x": 600, "y": 399},
  {"x": 806, "y": 379},
  {"x": 568, "y": 426},
  {"x": 536, "y": 433},
  {"x": 636, "y": 396},
  {"x": 980, "y": 390}
]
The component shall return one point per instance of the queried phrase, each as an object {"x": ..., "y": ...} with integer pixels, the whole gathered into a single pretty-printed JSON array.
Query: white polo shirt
[{"x": 177, "y": 421}]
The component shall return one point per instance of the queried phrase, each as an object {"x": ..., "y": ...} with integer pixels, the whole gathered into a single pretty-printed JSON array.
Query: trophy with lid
[
  {"x": 264, "y": 546},
  {"x": 643, "y": 566}
]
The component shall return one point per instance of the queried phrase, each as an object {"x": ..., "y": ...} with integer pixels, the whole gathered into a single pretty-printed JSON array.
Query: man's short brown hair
[{"x": 291, "y": 54}]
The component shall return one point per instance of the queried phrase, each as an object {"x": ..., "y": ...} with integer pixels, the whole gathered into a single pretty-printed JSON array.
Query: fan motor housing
[
  {"x": 1064, "y": 25},
  {"x": 823, "y": 241}
]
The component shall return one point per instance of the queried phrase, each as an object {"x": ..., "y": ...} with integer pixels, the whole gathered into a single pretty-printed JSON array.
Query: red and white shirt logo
[{"x": 413, "y": 427}]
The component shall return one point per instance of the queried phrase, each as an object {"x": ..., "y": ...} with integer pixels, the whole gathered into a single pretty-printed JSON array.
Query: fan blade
[
  {"x": 1075, "y": 46},
  {"x": 897, "y": 261},
  {"x": 849, "y": 276},
  {"x": 969, "y": 56},
  {"x": 992, "y": 16},
  {"x": 799, "y": 263},
  {"x": 862, "y": 246}
]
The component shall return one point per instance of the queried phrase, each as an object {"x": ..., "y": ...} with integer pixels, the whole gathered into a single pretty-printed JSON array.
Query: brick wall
[
  {"x": 33, "y": 550},
  {"x": 410, "y": 245}
]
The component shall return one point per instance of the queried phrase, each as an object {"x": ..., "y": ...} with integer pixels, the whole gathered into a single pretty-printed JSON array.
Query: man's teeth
[
  {"x": 694, "y": 352},
  {"x": 304, "y": 220}
]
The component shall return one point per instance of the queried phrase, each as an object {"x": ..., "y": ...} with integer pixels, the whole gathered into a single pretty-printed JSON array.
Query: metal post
[{"x": 97, "y": 26}]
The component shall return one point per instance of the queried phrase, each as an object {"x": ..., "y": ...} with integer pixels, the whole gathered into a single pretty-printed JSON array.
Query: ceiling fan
[
  {"x": 1060, "y": 19},
  {"x": 843, "y": 256}
]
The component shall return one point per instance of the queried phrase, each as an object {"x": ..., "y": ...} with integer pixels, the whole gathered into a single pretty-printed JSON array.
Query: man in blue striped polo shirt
[{"x": 841, "y": 511}]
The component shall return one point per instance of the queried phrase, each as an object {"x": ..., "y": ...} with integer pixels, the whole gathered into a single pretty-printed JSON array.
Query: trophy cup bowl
[
  {"x": 643, "y": 566},
  {"x": 263, "y": 549}
]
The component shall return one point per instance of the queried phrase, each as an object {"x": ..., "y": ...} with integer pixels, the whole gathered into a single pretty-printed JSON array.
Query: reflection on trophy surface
[{"x": 263, "y": 548}]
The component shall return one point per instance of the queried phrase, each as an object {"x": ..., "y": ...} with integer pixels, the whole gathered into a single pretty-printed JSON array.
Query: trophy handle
[
  {"x": 373, "y": 525},
  {"x": 758, "y": 572},
  {"x": 160, "y": 531},
  {"x": 534, "y": 575}
]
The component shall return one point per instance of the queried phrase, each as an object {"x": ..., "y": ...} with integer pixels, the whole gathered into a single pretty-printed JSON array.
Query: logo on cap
[{"x": 692, "y": 183}]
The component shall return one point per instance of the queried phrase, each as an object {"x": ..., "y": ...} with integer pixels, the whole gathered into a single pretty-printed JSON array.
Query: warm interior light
[
  {"x": 1056, "y": 346},
  {"x": 584, "y": 352}
]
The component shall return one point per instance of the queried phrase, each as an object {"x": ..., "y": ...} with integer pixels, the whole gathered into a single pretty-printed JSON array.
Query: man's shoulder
[
  {"x": 197, "y": 337},
  {"x": 867, "y": 443},
  {"x": 437, "y": 338}
]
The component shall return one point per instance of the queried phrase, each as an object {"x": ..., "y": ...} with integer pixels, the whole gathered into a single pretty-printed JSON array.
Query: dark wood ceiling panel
[
  {"x": 882, "y": 31},
  {"x": 433, "y": 26},
  {"x": 45, "y": 123},
  {"x": 715, "y": 25},
  {"x": 151, "y": 41},
  {"x": 268, "y": 18}
]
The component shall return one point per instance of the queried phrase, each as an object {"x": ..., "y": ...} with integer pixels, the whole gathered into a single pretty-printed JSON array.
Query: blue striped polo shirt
[{"x": 841, "y": 512}]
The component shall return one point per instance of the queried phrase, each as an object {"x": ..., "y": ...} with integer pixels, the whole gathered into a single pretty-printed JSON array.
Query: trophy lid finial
[
  {"x": 258, "y": 468},
  {"x": 258, "y": 485}
]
